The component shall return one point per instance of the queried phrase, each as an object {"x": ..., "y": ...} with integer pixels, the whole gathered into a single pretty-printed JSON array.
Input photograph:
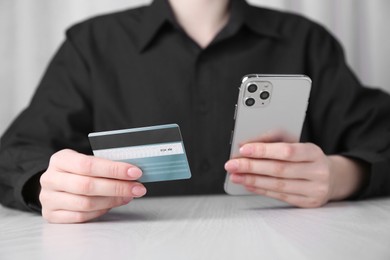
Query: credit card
[{"x": 157, "y": 150}]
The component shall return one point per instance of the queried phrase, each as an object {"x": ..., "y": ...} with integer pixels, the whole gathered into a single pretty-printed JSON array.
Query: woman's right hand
[{"x": 77, "y": 188}]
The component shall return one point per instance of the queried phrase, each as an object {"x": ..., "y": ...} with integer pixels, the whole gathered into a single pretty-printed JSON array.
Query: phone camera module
[
  {"x": 264, "y": 95},
  {"x": 252, "y": 88},
  {"x": 250, "y": 102}
]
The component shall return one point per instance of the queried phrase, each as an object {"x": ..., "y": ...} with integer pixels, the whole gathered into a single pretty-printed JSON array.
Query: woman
[{"x": 181, "y": 62}]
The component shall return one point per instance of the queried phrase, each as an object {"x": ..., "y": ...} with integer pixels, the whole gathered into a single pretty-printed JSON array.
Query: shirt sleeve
[
  {"x": 345, "y": 117},
  {"x": 58, "y": 117}
]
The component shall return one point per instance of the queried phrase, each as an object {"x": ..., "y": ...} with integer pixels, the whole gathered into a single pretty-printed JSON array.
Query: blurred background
[{"x": 31, "y": 32}]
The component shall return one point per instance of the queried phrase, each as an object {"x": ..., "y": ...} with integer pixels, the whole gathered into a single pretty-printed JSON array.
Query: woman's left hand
[{"x": 297, "y": 173}]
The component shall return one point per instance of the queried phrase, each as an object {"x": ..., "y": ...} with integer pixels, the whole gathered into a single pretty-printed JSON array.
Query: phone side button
[
  {"x": 235, "y": 112},
  {"x": 231, "y": 136}
]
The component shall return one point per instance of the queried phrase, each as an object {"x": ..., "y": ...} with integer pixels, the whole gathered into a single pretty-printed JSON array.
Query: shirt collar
[
  {"x": 259, "y": 20},
  {"x": 160, "y": 13},
  {"x": 156, "y": 16}
]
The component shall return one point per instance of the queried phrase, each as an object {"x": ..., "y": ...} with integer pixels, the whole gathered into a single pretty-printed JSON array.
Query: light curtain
[{"x": 31, "y": 31}]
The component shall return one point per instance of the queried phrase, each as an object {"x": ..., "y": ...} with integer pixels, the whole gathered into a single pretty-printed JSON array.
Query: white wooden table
[{"x": 206, "y": 227}]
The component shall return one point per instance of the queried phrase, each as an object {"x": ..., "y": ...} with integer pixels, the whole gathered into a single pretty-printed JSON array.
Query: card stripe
[{"x": 155, "y": 136}]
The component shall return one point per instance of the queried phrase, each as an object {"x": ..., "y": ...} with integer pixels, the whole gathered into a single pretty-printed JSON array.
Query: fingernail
[
  {"x": 231, "y": 165},
  {"x": 139, "y": 191},
  {"x": 134, "y": 172},
  {"x": 236, "y": 178},
  {"x": 246, "y": 150}
]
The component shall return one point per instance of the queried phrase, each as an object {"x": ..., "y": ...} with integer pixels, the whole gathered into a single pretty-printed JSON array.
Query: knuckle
[
  {"x": 247, "y": 165},
  {"x": 283, "y": 196},
  {"x": 261, "y": 150},
  {"x": 322, "y": 174},
  {"x": 86, "y": 186},
  {"x": 43, "y": 197},
  {"x": 279, "y": 169},
  {"x": 322, "y": 191},
  {"x": 280, "y": 196},
  {"x": 85, "y": 164},
  {"x": 317, "y": 150},
  {"x": 250, "y": 180},
  {"x": 279, "y": 185},
  {"x": 288, "y": 151},
  {"x": 115, "y": 170},
  {"x": 47, "y": 180},
  {"x": 54, "y": 159},
  {"x": 259, "y": 191},
  {"x": 44, "y": 180},
  {"x": 85, "y": 203},
  {"x": 57, "y": 156},
  {"x": 121, "y": 190}
]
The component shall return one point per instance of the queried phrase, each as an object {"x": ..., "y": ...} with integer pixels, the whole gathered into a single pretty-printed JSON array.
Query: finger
[
  {"x": 297, "y": 187},
  {"x": 91, "y": 186},
  {"x": 296, "y": 200},
  {"x": 65, "y": 216},
  {"x": 55, "y": 200},
  {"x": 71, "y": 161},
  {"x": 274, "y": 168},
  {"x": 278, "y": 136},
  {"x": 295, "y": 152}
]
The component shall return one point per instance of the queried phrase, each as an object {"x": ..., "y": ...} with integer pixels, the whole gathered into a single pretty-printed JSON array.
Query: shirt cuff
[
  {"x": 378, "y": 182},
  {"x": 28, "y": 189}
]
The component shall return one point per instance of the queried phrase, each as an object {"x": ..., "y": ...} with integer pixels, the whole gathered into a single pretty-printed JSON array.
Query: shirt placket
[{"x": 203, "y": 94}]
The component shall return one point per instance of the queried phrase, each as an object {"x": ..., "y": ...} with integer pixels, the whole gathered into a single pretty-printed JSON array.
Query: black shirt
[{"x": 138, "y": 68}]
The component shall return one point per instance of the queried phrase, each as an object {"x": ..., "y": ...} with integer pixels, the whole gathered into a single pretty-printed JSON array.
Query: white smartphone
[{"x": 267, "y": 103}]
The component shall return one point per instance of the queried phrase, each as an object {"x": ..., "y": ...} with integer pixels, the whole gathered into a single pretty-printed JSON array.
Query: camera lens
[
  {"x": 250, "y": 102},
  {"x": 252, "y": 88},
  {"x": 264, "y": 95}
]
